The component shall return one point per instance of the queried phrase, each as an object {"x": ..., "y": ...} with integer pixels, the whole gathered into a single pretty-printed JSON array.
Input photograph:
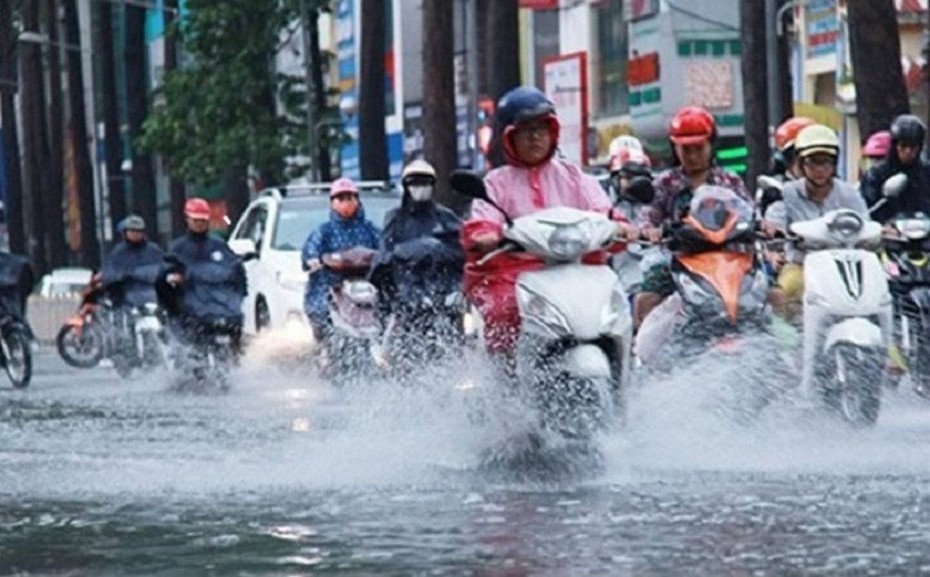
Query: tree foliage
[{"x": 220, "y": 108}]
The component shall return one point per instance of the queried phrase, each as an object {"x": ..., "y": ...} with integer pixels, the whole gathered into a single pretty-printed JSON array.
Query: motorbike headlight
[
  {"x": 913, "y": 228},
  {"x": 291, "y": 282},
  {"x": 845, "y": 226},
  {"x": 569, "y": 241},
  {"x": 538, "y": 312}
]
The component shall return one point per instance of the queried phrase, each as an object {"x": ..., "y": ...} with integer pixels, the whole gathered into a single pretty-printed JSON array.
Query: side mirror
[
  {"x": 640, "y": 190},
  {"x": 242, "y": 246},
  {"x": 895, "y": 185},
  {"x": 468, "y": 184},
  {"x": 768, "y": 188}
]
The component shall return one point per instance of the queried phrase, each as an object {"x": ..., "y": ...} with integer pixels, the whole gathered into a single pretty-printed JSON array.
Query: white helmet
[
  {"x": 418, "y": 167},
  {"x": 624, "y": 141}
]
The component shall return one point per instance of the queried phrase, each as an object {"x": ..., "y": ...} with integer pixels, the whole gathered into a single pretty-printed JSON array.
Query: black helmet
[
  {"x": 521, "y": 104},
  {"x": 908, "y": 129}
]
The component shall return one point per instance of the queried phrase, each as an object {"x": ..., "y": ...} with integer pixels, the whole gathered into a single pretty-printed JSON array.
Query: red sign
[
  {"x": 540, "y": 4},
  {"x": 643, "y": 69}
]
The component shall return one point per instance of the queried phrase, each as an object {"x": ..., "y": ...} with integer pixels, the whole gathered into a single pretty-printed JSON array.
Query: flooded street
[{"x": 285, "y": 475}]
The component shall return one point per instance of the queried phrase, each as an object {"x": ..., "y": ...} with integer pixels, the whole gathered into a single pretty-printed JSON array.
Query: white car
[
  {"x": 275, "y": 226},
  {"x": 64, "y": 282}
]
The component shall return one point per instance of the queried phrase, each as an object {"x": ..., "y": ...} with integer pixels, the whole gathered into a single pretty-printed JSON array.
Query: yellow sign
[{"x": 822, "y": 114}]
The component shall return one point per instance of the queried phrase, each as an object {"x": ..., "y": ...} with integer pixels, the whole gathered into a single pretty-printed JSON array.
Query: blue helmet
[{"x": 521, "y": 104}]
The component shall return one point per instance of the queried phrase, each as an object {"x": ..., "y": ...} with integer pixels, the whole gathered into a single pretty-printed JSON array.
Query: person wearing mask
[
  {"x": 204, "y": 281},
  {"x": 817, "y": 192},
  {"x": 347, "y": 227},
  {"x": 693, "y": 134},
  {"x": 875, "y": 150},
  {"x": 532, "y": 179},
  {"x": 131, "y": 269},
  {"x": 907, "y": 141}
]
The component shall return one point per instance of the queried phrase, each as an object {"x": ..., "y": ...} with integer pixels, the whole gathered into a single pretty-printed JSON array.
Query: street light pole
[{"x": 308, "y": 81}]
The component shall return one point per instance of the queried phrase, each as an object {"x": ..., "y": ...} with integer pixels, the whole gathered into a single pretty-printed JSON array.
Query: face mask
[{"x": 421, "y": 193}]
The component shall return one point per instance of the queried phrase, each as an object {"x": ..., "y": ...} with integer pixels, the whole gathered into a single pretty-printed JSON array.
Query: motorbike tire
[
  {"x": 70, "y": 344},
  {"x": 17, "y": 352},
  {"x": 855, "y": 389}
]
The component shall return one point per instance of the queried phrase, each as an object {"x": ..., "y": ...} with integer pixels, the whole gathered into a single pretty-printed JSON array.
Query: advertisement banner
[
  {"x": 566, "y": 84},
  {"x": 822, "y": 27}
]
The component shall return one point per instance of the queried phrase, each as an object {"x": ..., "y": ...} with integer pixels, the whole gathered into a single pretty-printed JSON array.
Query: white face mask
[{"x": 421, "y": 193}]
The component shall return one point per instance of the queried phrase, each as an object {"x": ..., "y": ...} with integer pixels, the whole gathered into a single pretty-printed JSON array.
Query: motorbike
[
  {"x": 719, "y": 306},
  {"x": 847, "y": 313},
  {"x": 82, "y": 338},
  {"x": 351, "y": 347},
  {"x": 573, "y": 352},
  {"x": 205, "y": 346},
  {"x": 422, "y": 278},
  {"x": 16, "y": 335}
]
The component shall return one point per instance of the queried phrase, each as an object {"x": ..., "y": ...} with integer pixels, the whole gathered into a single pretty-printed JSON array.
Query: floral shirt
[{"x": 673, "y": 194}]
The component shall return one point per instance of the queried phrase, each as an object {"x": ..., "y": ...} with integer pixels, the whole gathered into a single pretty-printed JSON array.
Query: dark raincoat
[
  {"x": 914, "y": 198},
  {"x": 130, "y": 272},
  {"x": 16, "y": 280}
]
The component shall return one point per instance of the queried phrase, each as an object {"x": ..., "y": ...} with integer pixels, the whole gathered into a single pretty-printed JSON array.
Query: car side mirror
[{"x": 243, "y": 246}]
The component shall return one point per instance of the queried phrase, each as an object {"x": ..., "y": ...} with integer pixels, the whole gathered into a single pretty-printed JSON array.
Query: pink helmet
[
  {"x": 342, "y": 186},
  {"x": 877, "y": 145}
]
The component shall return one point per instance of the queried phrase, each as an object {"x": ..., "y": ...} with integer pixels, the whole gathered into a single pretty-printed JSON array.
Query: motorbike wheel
[
  {"x": 123, "y": 365},
  {"x": 17, "y": 353},
  {"x": 81, "y": 349},
  {"x": 856, "y": 384},
  {"x": 920, "y": 367}
]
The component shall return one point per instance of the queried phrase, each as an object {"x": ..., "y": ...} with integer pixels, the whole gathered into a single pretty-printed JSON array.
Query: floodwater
[{"x": 286, "y": 475}]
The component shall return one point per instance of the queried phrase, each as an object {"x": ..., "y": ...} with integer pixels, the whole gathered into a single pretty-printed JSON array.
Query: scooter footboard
[{"x": 856, "y": 331}]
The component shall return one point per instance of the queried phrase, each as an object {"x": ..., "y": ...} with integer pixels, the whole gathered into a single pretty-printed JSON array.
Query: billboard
[{"x": 566, "y": 84}]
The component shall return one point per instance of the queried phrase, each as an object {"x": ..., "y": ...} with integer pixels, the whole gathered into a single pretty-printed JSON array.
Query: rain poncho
[
  {"x": 130, "y": 272},
  {"x": 214, "y": 280}
]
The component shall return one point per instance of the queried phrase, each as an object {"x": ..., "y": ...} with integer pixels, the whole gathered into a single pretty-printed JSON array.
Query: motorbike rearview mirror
[
  {"x": 895, "y": 185},
  {"x": 469, "y": 184},
  {"x": 640, "y": 190},
  {"x": 768, "y": 186}
]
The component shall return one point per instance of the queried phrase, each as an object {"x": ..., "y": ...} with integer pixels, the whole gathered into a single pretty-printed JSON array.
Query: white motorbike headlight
[
  {"x": 537, "y": 311},
  {"x": 569, "y": 241},
  {"x": 845, "y": 226}
]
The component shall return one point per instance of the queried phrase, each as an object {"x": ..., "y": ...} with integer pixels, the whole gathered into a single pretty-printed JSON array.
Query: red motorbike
[{"x": 82, "y": 338}]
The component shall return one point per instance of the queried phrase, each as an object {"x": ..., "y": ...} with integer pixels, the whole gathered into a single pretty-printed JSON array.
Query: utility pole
[
  {"x": 9, "y": 82},
  {"x": 312, "y": 168}
]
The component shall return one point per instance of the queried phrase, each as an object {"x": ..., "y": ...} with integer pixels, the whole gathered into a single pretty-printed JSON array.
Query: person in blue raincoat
[
  {"x": 131, "y": 269},
  {"x": 347, "y": 227},
  {"x": 204, "y": 282}
]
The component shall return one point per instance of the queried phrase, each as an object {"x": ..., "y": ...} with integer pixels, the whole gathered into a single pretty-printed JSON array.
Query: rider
[
  {"x": 16, "y": 281},
  {"x": 875, "y": 150},
  {"x": 190, "y": 300},
  {"x": 125, "y": 273},
  {"x": 347, "y": 227},
  {"x": 907, "y": 140},
  {"x": 418, "y": 216},
  {"x": 630, "y": 174},
  {"x": 533, "y": 179},
  {"x": 693, "y": 134},
  {"x": 809, "y": 197}
]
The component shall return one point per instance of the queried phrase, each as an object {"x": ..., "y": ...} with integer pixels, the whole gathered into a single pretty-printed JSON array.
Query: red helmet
[
  {"x": 197, "y": 209},
  {"x": 787, "y": 131},
  {"x": 692, "y": 125},
  {"x": 632, "y": 161},
  {"x": 877, "y": 145}
]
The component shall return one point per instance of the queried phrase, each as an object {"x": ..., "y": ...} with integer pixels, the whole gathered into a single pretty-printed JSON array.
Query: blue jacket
[
  {"x": 335, "y": 235},
  {"x": 130, "y": 272},
  {"x": 214, "y": 279}
]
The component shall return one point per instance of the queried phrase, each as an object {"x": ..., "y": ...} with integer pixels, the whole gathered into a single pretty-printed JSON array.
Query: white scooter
[
  {"x": 847, "y": 313},
  {"x": 573, "y": 351}
]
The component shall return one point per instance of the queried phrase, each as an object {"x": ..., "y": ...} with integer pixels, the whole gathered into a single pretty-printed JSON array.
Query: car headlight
[
  {"x": 537, "y": 311},
  {"x": 569, "y": 241},
  {"x": 291, "y": 282}
]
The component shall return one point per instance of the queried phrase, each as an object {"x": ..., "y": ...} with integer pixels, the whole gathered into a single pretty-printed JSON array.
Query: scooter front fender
[
  {"x": 856, "y": 331},
  {"x": 586, "y": 361}
]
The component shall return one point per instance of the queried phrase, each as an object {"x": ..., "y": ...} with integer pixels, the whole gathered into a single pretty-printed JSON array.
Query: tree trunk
[
  {"x": 34, "y": 137},
  {"x": 175, "y": 185},
  {"x": 439, "y": 138},
  {"x": 53, "y": 196},
  {"x": 372, "y": 141},
  {"x": 144, "y": 202},
  {"x": 752, "y": 65},
  {"x": 113, "y": 142},
  {"x": 90, "y": 248},
  {"x": 9, "y": 81},
  {"x": 875, "y": 46},
  {"x": 503, "y": 64},
  {"x": 324, "y": 163},
  {"x": 784, "y": 65}
]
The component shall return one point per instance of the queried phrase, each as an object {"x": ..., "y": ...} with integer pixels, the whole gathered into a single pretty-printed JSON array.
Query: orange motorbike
[{"x": 82, "y": 339}]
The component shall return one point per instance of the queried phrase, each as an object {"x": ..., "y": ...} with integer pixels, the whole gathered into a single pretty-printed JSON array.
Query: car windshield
[{"x": 297, "y": 219}]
